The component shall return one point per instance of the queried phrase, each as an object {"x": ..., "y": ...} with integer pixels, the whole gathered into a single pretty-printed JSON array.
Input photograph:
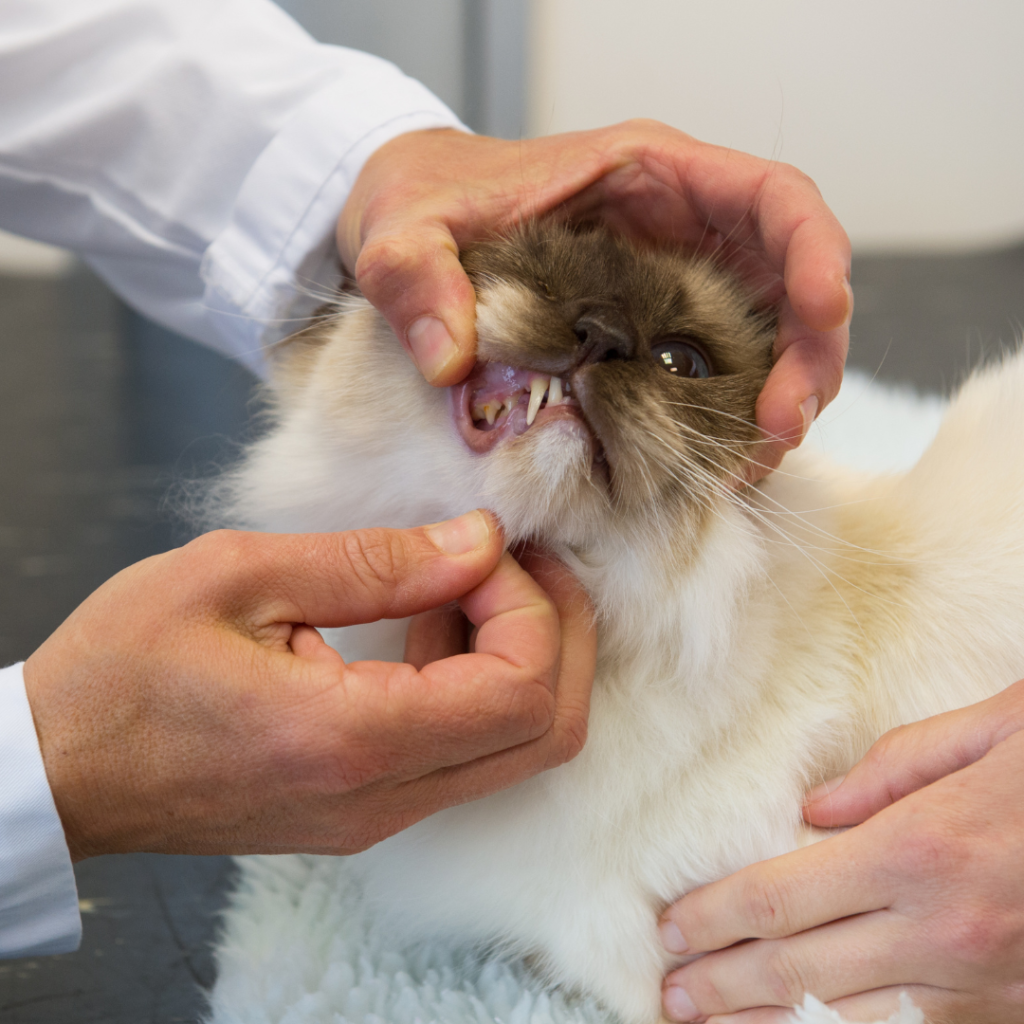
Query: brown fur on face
[{"x": 664, "y": 436}]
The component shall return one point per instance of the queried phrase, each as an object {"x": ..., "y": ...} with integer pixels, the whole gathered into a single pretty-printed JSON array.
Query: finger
[
  {"x": 508, "y": 605},
  {"x": 835, "y": 878},
  {"x": 913, "y": 756},
  {"x": 882, "y": 1004},
  {"x": 412, "y": 274},
  {"x": 577, "y": 656},
  {"x": 665, "y": 185},
  {"x": 567, "y": 733},
  {"x": 436, "y": 634},
  {"x": 306, "y": 642},
  {"x": 336, "y": 579},
  {"x": 878, "y": 1006},
  {"x": 776, "y": 210},
  {"x": 406, "y": 724},
  {"x": 858, "y": 954},
  {"x": 761, "y": 1015},
  {"x": 817, "y": 274},
  {"x": 806, "y": 376}
]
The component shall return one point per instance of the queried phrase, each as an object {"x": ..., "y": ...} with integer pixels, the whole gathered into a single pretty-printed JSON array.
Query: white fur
[{"x": 733, "y": 671}]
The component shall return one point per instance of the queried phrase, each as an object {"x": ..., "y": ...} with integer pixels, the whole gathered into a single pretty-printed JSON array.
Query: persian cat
[{"x": 752, "y": 640}]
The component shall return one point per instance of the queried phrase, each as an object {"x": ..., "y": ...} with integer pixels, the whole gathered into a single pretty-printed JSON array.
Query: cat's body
[{"x": 752, "y": 641}]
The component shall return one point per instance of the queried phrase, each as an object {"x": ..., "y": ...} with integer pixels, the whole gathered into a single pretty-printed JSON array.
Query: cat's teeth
[
  {"x": 489, "y": 411},
  {"x": 555, "y": 391},
  {"x": 510, "y": 403},
  {"x": 537, "y": 388}
]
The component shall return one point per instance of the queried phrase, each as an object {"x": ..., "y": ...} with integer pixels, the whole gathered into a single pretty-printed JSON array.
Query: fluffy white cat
[{"x": 753, "y": 641}]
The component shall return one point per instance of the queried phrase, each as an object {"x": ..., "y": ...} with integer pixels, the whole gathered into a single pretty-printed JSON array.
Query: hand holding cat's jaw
[
  {"x": 190, "y": 706},
  {"x": 424, "y": 195},
  {"x": 926, "y": 895}
]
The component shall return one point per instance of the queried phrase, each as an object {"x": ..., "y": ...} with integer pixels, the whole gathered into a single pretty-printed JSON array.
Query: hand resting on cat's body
[{"x": 752, "y": 640}]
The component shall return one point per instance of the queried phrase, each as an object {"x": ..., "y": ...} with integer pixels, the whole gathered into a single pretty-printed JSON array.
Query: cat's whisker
[{"x": 784, "y": 537}]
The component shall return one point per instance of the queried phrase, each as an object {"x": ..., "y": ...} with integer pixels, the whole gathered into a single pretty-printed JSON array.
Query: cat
[{"x": 753, "y": 640}]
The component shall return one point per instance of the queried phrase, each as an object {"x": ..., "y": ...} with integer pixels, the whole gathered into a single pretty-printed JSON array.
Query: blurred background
[{"x": 909, "y": 115}]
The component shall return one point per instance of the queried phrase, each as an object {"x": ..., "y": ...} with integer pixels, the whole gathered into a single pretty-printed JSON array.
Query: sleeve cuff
[
  {"x": 38, "y": 896},
  {"x": 275, "y": 262}
]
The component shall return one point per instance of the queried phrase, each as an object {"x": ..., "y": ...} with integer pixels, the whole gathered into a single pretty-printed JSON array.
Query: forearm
[{"x": 196, "y": 154}]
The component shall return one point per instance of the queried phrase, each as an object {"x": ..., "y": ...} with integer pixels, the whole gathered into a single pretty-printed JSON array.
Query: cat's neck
[{"x": 674, "y": 600}]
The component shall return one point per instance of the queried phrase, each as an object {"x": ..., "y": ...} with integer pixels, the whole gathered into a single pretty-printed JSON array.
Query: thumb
[
  {"x": 259, "y": 581},
  {"x": 911, "y": 757},
  {"x": 414, "y": 277}
]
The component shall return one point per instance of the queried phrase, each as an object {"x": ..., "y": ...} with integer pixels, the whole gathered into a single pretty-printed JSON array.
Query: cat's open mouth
[{"x": 498, "y": 401}]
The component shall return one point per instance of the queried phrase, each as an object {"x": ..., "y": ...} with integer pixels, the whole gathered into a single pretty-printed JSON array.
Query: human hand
[
  {"x": 189, "y": 706},
  {"x": 926, "y": 896},
  {"x": 423, "y": 195}
]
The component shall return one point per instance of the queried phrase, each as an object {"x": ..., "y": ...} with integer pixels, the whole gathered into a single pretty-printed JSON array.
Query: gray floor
[{"x": 100, "y": 413}]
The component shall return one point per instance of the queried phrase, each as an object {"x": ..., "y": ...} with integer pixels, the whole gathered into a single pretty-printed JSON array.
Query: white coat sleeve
[
  {"x": 196, "y": 153},
  {"x": 38, "y": 896}
]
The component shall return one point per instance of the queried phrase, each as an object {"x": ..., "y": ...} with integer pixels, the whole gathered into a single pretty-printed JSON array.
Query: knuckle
[
  {"x": 880, "y": 756},
  {"x": 786, "y": 982},
  {"x": 374, "y": 557},
  {"x": 568, "y": 740},
  {"x": 383, "y": 264},
  {"x": 972, "y": 937},
  {"x": 927, "y": 852},
  {"x": 705, "y": 991},
  {"x": 224, "y": 546},
  {"x": 797, "y": 179},
  {"x": 574, "y": 735},
  {"x": 533, "y": 710},
  {"x": 643, "y": 126},
  {"x": 883, "y": 749},
  {"x": 765, "y": 906},
  {"x": 221, "y": 556}
]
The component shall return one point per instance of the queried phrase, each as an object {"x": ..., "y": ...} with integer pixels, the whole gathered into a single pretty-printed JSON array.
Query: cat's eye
[{"x": 681, "y": 358}]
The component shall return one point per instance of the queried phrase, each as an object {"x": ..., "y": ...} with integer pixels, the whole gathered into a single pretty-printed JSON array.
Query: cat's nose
[{"x": 601, "y": 342}]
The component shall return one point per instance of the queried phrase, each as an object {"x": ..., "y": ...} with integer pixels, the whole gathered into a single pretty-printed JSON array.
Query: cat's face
[
  {"x": 616, "y": 386},
  {"x": 614, "y": 398}
]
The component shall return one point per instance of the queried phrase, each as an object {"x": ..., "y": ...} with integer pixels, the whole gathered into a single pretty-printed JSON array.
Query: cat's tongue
[{"x": 497, "y": 400}]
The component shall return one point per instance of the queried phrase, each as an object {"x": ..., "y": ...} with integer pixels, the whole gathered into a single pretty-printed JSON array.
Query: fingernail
[
  {"x": 677, "y": 1004},
  {"x": 849, "y": 303},
  {"x": 808, "y": 412},
  {"x": 824, "y": 789},
  {"x": 431, "y": 345},
  {"x": 672, "y": 938},
  {"x": 461, "y": 535}
]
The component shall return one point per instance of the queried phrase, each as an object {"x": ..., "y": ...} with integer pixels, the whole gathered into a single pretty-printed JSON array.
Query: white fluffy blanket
[{"x": 299, "y": 947}]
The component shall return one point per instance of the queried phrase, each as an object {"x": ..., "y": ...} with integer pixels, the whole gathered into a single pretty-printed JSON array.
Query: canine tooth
[
  {"x": 537, "y": 388},
  {"x": 555, "y": 391},
  {"x": 491, "y": 409}
]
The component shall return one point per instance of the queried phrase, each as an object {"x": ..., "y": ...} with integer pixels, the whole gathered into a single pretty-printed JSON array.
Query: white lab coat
[{"x": 196, "y": 154}]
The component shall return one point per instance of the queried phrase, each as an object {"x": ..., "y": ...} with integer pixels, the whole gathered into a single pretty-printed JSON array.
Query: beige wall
[{"x": 909, "y": 114}]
